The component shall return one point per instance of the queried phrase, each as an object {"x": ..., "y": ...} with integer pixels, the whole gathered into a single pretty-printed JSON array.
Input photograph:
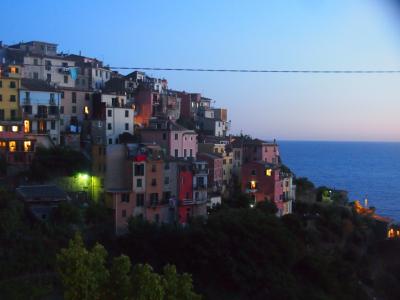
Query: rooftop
[
  {"x": 36, "y": 85},
  {"x": 41, "y": 191}
]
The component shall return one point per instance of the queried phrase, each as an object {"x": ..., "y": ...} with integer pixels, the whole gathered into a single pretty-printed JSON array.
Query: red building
[
  {"x": 16, "y": 149},
  {"x": 185, "y": 193},
  {"x": 263, "y": 182},
  {"x": 189, "y": 104}
]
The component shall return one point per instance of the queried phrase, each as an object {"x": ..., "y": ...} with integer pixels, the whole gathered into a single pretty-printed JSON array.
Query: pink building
[
  {"x": 263, "y": 182},
  {"x": 177, "y": 140}
]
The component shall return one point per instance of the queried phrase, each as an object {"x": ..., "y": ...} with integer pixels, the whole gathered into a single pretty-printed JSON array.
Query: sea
[{"x": 364, "y": 169}]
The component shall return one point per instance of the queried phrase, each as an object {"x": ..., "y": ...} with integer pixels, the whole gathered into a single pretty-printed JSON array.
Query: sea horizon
[{"x": 363, "y": 169}]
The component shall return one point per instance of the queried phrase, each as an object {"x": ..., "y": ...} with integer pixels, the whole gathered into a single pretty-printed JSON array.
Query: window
[
  {"x": 109, "y": 126},
  {"x": 139, "y": 199},
  {"x": 124, "y": 213},
  {"x": 62, "y": 95},
  {"x": 166, "y": 180},
  {"x": 13, "y": 85},
  {"x": 35, "y": 75},
  {"x": 74, "y": 109},
  {"x": 184, "y": 152},
  {"x": 153, "y": 168},
  {"x": 109, "y": 113},
  {"x": 2, "y": 114},
  {"x": 48, "y": 77},
  {"x": 176, "y": 136},
  {"x": 48, "y": 65},
  {"x": 28, "y": 109},
  {"x": 167, "y": 196},
  {"x": 125, "y": 198},
  {"x": 61, "y": 109},
  {"x": 191, "y": 152},
  {"x": 253, "y": 172},
  {"x": 252, "y": 185},
  {"x": 14, "y": 128},
  {"x": 87, "y": 96},
  {"x": 110, "y": 141},
  {"x": 126, "y": 126},
  {"x": 224, "y": 162},
  {"x": 139, "y": 183},
  {"x": 27, "y": 126},
  {"x": 35, "y": 61},
  {"x": 164, "y": 136},
  {"x": 139, "y": 170},
  {"x": 166, "y": 166},
  {"x": 153, "y": 182},
  {"x": 126, "y": 113},
  {"x": 65, "y": 79},
  {"x": 13, "y": 113},
  {"x": 1, "y": 97},
  {"x": 12, "y": 146},
  {"x": 53, "y": 124},
  {"x": 154, "y": 198},
  {"x": 1, "y": 84},
  {"x": 73, "y": 97},
  {"x": 176, "y": 152},
  {"x": 27, "y": 146}
]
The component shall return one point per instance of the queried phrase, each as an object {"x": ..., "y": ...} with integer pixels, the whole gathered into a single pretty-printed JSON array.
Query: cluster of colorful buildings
[{"x": 156, "y": 153}]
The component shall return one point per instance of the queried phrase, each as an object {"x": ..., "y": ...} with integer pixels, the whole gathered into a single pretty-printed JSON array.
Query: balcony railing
[{"x": 200, "y": 186}]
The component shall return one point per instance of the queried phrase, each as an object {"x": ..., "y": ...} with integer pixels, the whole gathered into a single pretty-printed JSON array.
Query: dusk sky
[{"x": 308, "y": 34}]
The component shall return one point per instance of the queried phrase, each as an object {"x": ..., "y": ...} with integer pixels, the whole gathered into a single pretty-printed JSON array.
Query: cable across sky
[{"x": 301, "y": 71}]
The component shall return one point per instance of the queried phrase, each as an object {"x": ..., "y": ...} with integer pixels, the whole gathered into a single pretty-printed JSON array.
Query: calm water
[{"x": 361, "y": 168}]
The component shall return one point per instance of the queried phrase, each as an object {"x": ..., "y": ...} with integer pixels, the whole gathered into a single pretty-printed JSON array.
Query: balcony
[
  {"x": 41, "y": 116},
  {"x": 199, "y": 186},
  {"x": 200, "y": 171}
]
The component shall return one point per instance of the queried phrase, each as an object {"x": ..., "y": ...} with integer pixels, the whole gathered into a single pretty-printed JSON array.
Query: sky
[{"x": 234, "y": 34}]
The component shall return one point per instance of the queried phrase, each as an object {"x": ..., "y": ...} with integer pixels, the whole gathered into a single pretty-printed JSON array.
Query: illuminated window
[
  {"x": 27, "y": 146},
  {"x": 86, "y": 110},
  {"x": 27, "y": 126},
  {"x": 12, "y": 146},
  {"x": 2, "y": 144},
  {"x": 253, "y": 185},
  {"x": 268, "y": 172},
  {"x": 14, "y": 128},
  {"x": 14, "y": 70},
  {"x": 1, "y": 128}
]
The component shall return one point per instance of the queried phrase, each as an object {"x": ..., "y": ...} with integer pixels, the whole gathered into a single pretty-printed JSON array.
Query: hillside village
[{"x": 159, "y": 154}]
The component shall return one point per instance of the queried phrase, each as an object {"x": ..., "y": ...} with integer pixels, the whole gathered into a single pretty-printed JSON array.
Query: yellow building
[{"x": 9, "y": 94}]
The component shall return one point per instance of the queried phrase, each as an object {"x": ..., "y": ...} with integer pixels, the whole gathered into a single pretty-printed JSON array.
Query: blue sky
[{"x": 281, "y": 34}]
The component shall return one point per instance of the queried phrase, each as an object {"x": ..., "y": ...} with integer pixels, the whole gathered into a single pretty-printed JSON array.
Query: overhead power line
[{"x": 324, "y": 71}]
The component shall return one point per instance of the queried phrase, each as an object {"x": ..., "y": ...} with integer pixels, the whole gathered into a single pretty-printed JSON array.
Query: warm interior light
[
  {"x": 14, "y": 128},
  {"x": 268, "y": 172},
  {"x": 12, "y": 145},
  {"x": 86, "y": 110},
  {"x": 1, "y": 128},
  {"x": 27, "y": 126},
  {"x": 27, "y": 146},
  {"x": 253, "y": 185}
]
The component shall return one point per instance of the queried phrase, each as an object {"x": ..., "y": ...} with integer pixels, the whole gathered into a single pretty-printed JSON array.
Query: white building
[{"x": 41, "y": 104}]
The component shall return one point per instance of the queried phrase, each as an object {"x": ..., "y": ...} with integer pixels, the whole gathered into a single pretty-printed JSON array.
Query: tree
[
  {"x": 120, "y": 286},
  {"x": 177, "y": 286},
  {"x": 83, "y": 273},
  {"x": 146, "y": 284}
]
